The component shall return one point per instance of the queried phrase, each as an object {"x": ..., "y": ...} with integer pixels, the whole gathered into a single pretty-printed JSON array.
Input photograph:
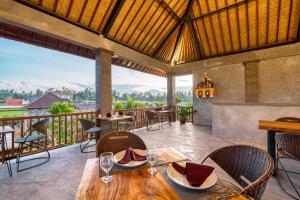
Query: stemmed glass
[
  {"x": 151, "y": 159},
  {"x": 106, "y": 163}
]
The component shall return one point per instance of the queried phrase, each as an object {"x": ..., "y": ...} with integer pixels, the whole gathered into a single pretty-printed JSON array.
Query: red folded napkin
[
  {"x": 196, "y": 174},
  {"x": 131, "y": 155}
]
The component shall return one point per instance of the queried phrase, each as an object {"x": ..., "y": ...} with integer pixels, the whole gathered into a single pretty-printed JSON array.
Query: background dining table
[{"x": 137, "y": 183}]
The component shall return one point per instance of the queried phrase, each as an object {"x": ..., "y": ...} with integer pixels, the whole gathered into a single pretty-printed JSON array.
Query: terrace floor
[{"x": 60, "y": 178}]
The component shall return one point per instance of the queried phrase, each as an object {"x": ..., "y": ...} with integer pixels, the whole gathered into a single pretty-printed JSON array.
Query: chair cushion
[
  {"x": 94, "y": 130},
  {"x": 128, "y": 123},
  {"x": 30, "y": 138}
]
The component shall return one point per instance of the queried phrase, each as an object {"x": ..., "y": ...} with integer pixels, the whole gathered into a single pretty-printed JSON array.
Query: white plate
[
  {"x": 118, "y": 156},
  {"x": 182, "y": 181}
]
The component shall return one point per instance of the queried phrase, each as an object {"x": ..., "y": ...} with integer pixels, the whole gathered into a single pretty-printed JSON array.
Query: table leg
[{"x": 272, "y": 147}]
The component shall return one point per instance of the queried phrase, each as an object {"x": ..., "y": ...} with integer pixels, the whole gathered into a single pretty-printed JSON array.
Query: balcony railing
[{"x": 65, "y": 129}]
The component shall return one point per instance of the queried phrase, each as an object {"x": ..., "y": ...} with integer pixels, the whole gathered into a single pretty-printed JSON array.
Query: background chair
[
  {"x": 152, "y": 118},
  {"x": 249, "y": 166},
  {"x": 32, "y": 138},
  {"x": 119, "y": 141},
  {"x": 288, "y": 147},
  {"x": 92, "y": 130},
  {"x": 7, "y": 161},
  {"x": 129, "y": 124}
]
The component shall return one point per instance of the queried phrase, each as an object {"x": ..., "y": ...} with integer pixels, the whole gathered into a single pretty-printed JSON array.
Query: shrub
[{"x": 61, "y": 108}]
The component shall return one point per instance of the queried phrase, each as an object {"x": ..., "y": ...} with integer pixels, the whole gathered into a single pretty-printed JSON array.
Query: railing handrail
[{"x": 45, "y": 116}]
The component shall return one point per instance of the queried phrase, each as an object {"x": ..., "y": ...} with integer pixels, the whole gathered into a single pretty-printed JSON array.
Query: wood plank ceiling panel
[{"x": 218, "y": 27}]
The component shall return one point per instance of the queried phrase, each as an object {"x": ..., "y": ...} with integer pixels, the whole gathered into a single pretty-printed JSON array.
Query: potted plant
[{"x": 183, "y": 114}]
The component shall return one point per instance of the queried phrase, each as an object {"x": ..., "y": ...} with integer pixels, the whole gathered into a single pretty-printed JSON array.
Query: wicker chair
[
  {"x": 129, "y": 124},
  {"x": 288, "y": 148},
  {"x": 118, "y": 141},
  {"x": 92, "y": 130},
  {"x": 6, "y": 160},
  {"x": 33, "y": 141},
  {"x": 249, "y": 166},
  {"x": 152, "y": 118}
]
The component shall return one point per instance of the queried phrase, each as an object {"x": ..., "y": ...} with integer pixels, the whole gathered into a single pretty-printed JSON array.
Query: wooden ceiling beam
[
  {"x": 247, "y": 26},
  {"x": 267, "y": 24},
  {"x": 290, "y": 14},
  {"x": 55, "y": 6},
  {"x": 70, "y": 8},
  {"x": 164, "y": 4},
  {"x": 205, "y": 31},
  {"x": 212, "y": 27},
  {"x": 220, "y": 25},
  {"x": 194, "y": 35},
  {"x": 229, "y": 27},
  {"x": 238, "y": 23},
  {"x": 182, "y": 24},
  {"x": 278, "y": 20},
  {"x": 157, "y": 34},
  {"x": 94, "y": 13},
  {"x": 113, "y": 16},
  {"x": 82, "y": 11},
  {"x": 173, "y": 30},
  {"x": 220, "y": 9}
]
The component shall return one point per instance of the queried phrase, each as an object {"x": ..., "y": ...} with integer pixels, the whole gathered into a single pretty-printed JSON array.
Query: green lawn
[{"x": 12, "y": 112}]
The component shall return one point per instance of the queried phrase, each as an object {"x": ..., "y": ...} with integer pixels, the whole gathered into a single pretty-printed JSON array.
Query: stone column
[
  {"x": 171, "y": 89},
  {"x": 251, "y": 81},
  {"x": 103, "y": 81}
]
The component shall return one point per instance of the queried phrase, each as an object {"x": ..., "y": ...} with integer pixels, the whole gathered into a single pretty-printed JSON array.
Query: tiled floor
[{"x": 59, "y": 178}]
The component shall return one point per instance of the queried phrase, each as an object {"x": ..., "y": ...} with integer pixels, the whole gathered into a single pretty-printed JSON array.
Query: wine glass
[
  {"x": 151, "y": 159},
  {"x": 106, "y": 163}
]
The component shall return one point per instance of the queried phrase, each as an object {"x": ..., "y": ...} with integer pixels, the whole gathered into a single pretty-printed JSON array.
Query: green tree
[
  {"x": 118, "y": 105},
  {"x": 131, "y": 103},
  {"x": 178, "y": 99},
  {"x": 61, "y": 108}
]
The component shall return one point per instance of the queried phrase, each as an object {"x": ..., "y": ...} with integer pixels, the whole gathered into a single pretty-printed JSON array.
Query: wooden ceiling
[
  {"x": 179, "y": 31},
  {"x": 30, "y": 37}
]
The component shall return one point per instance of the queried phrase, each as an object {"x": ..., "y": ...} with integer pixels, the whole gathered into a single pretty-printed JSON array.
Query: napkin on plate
[
  {"x": 131, "y": 155},
  {"x": 196, "y": 174}
]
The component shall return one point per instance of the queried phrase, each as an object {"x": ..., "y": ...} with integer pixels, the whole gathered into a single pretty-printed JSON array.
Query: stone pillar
[
  {"x": 251, "y": 81},
  {"x": 171, "y": 89},
  {"x": 103, "y": 81}
]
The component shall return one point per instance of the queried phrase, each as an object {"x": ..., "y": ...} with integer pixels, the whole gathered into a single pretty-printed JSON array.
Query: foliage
[
  {"x": 178, "y": 99},
  {"x": 183, "y": 112},
  {"x": 159, "y": 104},
  {"x": 118, "y": 105},
  {"x": 61, "y": 108}
]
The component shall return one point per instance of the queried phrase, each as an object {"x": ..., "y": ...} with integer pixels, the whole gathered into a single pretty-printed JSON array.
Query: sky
[{"x": 28, "y": 67}]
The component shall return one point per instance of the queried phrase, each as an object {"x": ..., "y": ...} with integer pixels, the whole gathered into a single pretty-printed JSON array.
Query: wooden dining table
[
  {"x": 275, "y": 126},
  {"x": 161, "y": 114},
  {"x": 128, "y": 184},
  {"x": 109, "y": 124}
]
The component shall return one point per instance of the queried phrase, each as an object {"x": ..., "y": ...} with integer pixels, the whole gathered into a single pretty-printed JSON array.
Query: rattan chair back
[
  {"x": 119, "y": 141},
  {"x": 41, "y": 126},
  {"x": 86, "y": 124},
  {"x": 289, "y": 143},
  {"x": 150, "y": 114},
  {"x": 249, "y": 166}
]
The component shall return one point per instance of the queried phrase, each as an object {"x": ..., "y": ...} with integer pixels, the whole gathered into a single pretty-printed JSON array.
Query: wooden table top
[
  {"x": 288, "y": 127},
  {"x": 133, "y": 184},
  {"x": 116, "y": 118}
]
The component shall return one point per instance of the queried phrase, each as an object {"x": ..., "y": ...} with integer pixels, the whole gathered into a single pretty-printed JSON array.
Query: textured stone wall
[
  {"x": 240, "y": 122},
  {"x": 279, "y": 80},
  {"x": 230, "y": 83},
  {"x": 277, "y": 84}
]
